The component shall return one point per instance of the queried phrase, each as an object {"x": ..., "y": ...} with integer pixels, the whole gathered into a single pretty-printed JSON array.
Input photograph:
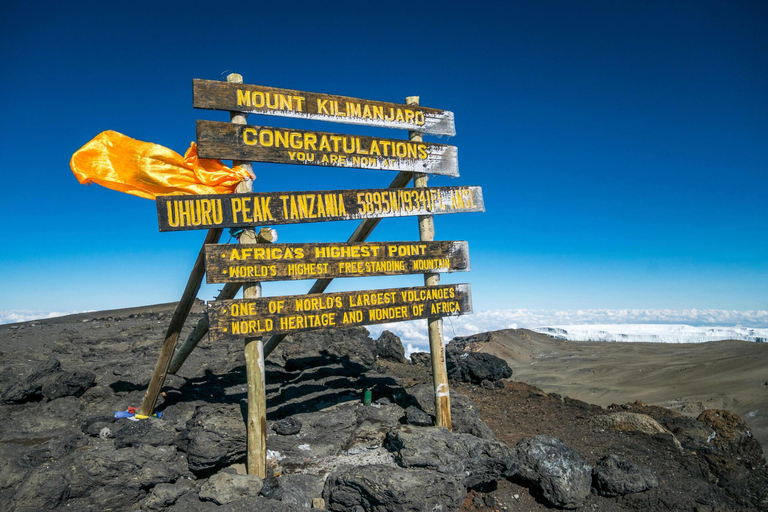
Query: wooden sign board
[
  {"x": 242, "y": 263},
  {"x": 176, "y": 213},
  {"x": 291, "y": 146},
  {"x": 256, "y": 99},
  {"x": 296, "y": 313}
]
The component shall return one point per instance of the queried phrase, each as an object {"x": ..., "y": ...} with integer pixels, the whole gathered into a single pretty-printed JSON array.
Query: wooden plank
[
  {"x": 296, "y": 313},
  {"x": 230, "y": 263},
  {"x": 434, "y": 323},
  {"x": 257, "y": 99},
  {"x": 177, "y": 213},
  {"x": 292, "y": 146}
]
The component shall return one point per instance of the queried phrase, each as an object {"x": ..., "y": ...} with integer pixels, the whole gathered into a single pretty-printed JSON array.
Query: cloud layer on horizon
[
  {"x": 414, "y": 334},
  {"x": 26, "y": 315}
]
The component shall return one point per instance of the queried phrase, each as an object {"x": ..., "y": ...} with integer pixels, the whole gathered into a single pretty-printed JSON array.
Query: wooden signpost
[
  {"x": 297, "y": 313},
  {"x": 256, "y": 99},
  {"x": 227, "y": 263},
  {"x": 263, "y": 321},
  {"x": 177, "y": 213},
  {"x": 290, "y": 146}
]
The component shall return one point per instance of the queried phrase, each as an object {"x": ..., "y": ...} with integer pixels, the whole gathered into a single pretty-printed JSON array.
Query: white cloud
[
  {"x": 414, "y": 334},
  {"x": 25, "y": 315}
]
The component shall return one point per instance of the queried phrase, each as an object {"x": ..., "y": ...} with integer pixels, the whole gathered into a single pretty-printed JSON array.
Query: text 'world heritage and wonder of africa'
[{"x": 295, "y": 313}]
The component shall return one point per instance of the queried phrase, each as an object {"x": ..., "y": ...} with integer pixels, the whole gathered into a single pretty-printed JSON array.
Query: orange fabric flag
[{"x": 143, "y": 169}]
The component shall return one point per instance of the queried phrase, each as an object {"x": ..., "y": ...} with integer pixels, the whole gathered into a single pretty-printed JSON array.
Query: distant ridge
[{"x": 168, "y": 307}]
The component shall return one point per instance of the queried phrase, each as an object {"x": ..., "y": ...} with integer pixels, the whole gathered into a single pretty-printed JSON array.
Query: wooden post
[
  {"x": 257, "y": 398},
  {"x": 254, "y": 350},
  {"x": 435, "y": 325},
  {"x": 177, "y": 323}
]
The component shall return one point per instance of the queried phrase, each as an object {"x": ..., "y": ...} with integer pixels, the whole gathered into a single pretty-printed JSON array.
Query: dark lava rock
[
  {"x": 415, "y": 416},
  {"x": 260, "y": 504},
  {"x": 492, "y": 385},
  {"x": 475, "y": 367},
  {"x": 476, "y": 462},
  {"x": 692, "y": 434},
  {"x": 389, "y": 347},
  {"x": 151, "y": 432},
  {"x": 297, "y": 483},
  {"x": 350, "y": 345},
  {"x": 733, "y": 436},
  {"x": 421, "y": 358},
  {"x": 223, "y": 488},
  {"x": 272, "y": 489},
  {"x": 100, "y": 480},
  {"x": 563, "y": 478},
  {"x": 94, "y": 424},
  {"x": 163, "y": 496},
  {"x": 72, "y": 383},
  {"x": 23, "y": 382},
  {"x": 383, "y": 488},
  {"x": 735, "y": 459},
  {"x": 373, "y": 424},
  {"x": 217, "y": 437},
  {"x": 287, "y": 491},
  {"x": 469, "y": 343},
  {"x": 617, "y": 477},
  {"x": 287, "y": 426},
  {"x": 464, "y": 418}
]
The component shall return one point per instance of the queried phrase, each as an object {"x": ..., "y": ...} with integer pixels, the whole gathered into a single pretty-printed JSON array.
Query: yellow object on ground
[{"x": 144, "y": 169}]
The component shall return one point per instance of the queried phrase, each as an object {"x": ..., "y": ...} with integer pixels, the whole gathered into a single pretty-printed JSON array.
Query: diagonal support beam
[{"x": 177, "y": 323}]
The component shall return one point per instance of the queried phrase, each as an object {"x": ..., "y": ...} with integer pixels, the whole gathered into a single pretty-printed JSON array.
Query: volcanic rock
[
  {"x": 475, "y": 367},
  {"x": 23, "y": 381},
  {"x": 223, "y": 488},
  {"x": 476, "y": 462},
  {"x": 617, "y": 477},
  {"x": 562, "y": 477},
  {"x": 380, "y": 488},
  {"x": 464, "y": 416},
  {"x": 415, "y": 416},
  {"x": 216, "y": 437},
  {"x": 287, "y": 426},
  {"x": 389, "y": 347},
  {"x": 351, "y": 345},
  {"x": 421, "y": 358}
]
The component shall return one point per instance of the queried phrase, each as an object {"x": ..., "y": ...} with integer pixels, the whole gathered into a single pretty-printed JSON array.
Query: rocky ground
[{"x": 513, "y": 447}]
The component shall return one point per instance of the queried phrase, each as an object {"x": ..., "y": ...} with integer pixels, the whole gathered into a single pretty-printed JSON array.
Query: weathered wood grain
[
  {"x": 296, "y": 313},
  {"x": 186, "y": 212},
  {"x": 292, "y": 146},
  {"x": 434, "y": 324},
  {"x": 257, "y": 99},
  {"x": 229, "y": 263}
]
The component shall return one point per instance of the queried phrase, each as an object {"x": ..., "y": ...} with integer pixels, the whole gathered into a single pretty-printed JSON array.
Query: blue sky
[{"x": 621, "y": 146}]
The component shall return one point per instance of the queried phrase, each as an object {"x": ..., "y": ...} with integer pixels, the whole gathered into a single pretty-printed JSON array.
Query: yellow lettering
[
  {"x": 243, "y": 98},
  {"x": 249, "y": 136}
]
